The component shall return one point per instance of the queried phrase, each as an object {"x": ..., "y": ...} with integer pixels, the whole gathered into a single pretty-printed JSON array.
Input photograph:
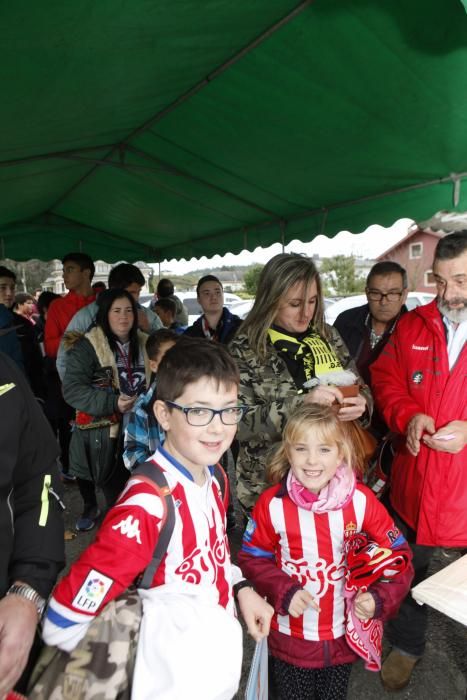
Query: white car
[
  {"x": 194, "y": 309},
  {"x": 332, "y": 312}
]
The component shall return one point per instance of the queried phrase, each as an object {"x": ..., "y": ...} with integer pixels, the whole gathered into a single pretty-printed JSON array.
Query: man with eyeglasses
[
  {"x": 366, "y": 329},
  {"x": 420, "y": 385}
]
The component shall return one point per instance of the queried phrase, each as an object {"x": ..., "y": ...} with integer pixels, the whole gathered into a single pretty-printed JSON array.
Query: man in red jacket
[
  {"x": 78, "y": 271},
  {"x": 420, "y": 385}
]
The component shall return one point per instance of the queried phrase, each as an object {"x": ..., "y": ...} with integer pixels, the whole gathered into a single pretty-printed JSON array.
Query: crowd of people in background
[{"x": 121, "y": 384}]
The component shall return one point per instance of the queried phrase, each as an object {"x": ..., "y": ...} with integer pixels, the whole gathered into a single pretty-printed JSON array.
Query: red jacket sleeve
[
  {"x": 127, "y": 529},
  {"x": 53, "y": 331}
]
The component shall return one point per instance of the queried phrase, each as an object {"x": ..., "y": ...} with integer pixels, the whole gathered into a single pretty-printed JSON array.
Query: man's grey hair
[{"x": 451, "y": 246}]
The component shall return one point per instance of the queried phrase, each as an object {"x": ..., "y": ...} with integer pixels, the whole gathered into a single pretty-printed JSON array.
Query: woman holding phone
[{"x": 107, "y": 369}]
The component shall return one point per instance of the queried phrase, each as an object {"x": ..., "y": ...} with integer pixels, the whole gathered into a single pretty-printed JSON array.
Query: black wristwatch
[{"x": 242, "y": 584}]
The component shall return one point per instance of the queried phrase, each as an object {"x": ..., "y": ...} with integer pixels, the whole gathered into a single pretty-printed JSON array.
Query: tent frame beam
[
  {"x": 54, "y": 155},
  {"x": 189, "y": 93},
  {"x": 219, "y": 70},
  {"x": 324, "y": 211}
]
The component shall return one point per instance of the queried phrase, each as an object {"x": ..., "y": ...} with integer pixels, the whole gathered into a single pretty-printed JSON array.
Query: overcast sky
[{"x": 372, "y": 242}]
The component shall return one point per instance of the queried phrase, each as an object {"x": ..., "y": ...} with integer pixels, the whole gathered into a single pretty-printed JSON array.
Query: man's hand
[
  {"x": 450, "y": 438},
  {"x": 256, "y": 612},
  {"x": 352, "y": 408},
  {"x": 364, "y": 606},
  {"x": 18, "y": 622},
  {"x": 143, "y": 321},
  {"x": 302, "y": 600},
  {"x": 417, "y": 425}
]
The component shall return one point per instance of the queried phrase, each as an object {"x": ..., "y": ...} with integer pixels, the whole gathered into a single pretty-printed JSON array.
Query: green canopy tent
[{"x": 152, "y": 129}]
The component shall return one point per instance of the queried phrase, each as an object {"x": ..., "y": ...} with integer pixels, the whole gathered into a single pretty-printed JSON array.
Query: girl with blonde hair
[{"x": 294, "y": 553}]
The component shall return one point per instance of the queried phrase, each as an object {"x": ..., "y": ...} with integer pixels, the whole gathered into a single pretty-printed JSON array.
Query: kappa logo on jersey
[
  {"x": 129, "y": 527},
  {"x": 93, "y": 591}
]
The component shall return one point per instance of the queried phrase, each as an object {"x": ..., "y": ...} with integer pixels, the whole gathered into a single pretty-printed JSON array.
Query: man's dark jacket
[
  {"x": 31, "y": 523},
  {"x": 226, "y": 328},
  {"x": 355, "y": 332},
  {"x": 354, "y": 328}
]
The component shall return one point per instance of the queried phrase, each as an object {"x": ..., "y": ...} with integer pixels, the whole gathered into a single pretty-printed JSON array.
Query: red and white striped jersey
[
  {"x": 309, "y": 548},
  {"x": 198, "y": 552}
]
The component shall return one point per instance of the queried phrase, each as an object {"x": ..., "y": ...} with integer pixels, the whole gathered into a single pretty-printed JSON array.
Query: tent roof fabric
[{"x": 156, "y": 129}]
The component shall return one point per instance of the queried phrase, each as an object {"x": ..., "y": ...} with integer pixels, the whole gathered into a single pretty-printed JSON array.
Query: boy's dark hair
[
  {"x": 123, "y": 275},
  {"x": 22, "y": 297},
  {"x": 207, "y": 278},
  {"x": 44, "y": 301},
  {"x": 104, "y": 302},
  {"x": 84, "y": 261},
  {"x": 158, "y": 338},
  {"x": 5, "y": 272},
  {"x": 387, "y": 267},
  {"x": 165, "y": 288},
  {"x": 192, "y": 359},
  {"x": 451, "y": 246},
  {"x": 99, "y": 285},
  {"x": 167, "y": 304}
]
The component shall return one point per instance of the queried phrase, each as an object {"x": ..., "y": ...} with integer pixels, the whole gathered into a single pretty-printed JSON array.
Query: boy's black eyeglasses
[
  {"x": 378, "y": 296},
  {"x": 199, "y": 415}
]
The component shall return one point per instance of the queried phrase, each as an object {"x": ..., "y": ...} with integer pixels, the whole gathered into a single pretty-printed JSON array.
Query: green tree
[
  {"x": 251, "y": 278},
  {"x": 339, "y": 276}
]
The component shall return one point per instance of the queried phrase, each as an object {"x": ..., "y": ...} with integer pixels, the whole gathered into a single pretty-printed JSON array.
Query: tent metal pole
[
  {"x": 53, "y": 155},
  {"x": 192, "y": 91},
  {"x": 219, "y": 70},
  {"x": 325, "y": 210},
  {"x": 194, "y": 178}
]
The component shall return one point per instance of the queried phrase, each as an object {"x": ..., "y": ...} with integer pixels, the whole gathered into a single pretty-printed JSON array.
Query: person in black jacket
[
  {"x": 366, "y": 329},
  {"x": 217, "y": 322},
  {"x": 31, "y": 523}
]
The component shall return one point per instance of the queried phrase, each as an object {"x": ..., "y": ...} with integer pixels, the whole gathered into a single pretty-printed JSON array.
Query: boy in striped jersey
[{"x": 190, "y": 605}]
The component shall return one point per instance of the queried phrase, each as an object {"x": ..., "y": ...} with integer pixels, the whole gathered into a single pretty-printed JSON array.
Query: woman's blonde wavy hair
[
  {"x": 277, "y": 277},
  {"x": 324, "y": 423}
]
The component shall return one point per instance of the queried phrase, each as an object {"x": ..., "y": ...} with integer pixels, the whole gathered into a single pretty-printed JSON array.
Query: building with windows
[
  {"x": 54, "y": 283},
  {"x": 415, "y": 252}
]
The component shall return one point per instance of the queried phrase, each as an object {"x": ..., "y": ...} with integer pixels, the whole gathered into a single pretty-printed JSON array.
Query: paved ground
[{"x": 441, "y": 675}]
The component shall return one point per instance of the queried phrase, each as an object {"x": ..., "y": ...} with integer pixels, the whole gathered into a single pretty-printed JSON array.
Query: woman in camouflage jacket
[{"x": 283, "y": 345}]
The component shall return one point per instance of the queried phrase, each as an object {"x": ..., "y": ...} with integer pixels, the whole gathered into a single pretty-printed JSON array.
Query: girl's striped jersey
[{"x": 309, "y": 548}]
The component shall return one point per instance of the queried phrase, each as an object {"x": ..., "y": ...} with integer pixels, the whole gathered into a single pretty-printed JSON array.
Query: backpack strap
[
  {"x": 219, "y": 473},
  {"x": 152, "y": 474}
]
